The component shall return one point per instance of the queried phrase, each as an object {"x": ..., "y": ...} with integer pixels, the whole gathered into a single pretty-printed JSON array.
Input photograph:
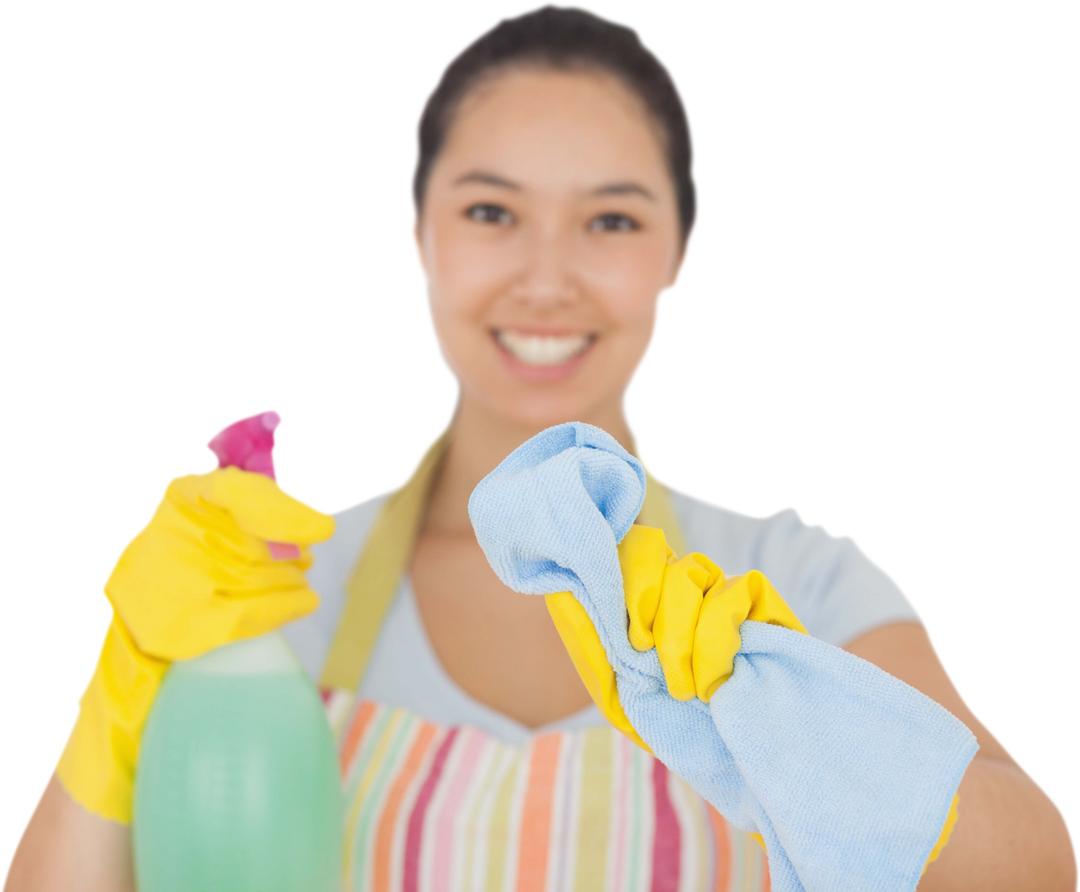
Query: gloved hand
[
  {"x": 691, "y": 613},
  {"x": 200, "y": 575},
  {"x": 685, "y": 608}
]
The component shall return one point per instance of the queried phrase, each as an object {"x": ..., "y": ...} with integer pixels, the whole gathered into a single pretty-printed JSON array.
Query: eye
[
  {"x": 621, "y": 218},
  {"x": 487, "y": 216},
  {"x": 490, "y": 213}
]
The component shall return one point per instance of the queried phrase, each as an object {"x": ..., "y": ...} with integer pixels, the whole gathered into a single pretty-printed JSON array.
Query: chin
[{"x": 538, "y": 411}]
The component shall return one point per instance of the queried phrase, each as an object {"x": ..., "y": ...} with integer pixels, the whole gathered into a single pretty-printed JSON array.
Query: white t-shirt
[{"x": 834, "y": 590}]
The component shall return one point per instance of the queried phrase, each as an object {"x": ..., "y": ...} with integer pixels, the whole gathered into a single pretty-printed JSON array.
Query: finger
[
  {"x": 219, "y": 620},
  {"x": 262, "y": 509},
  {"x": 643, "y": 558},
  {"x": 273, "y": 611},
  {"x": 767, "y": 606},
  {"x": 163, "y": 581},
  {"x": 716, "y": 638},
  {"x": 676, "y": 620},
  {"x": 582, "y": 642}
]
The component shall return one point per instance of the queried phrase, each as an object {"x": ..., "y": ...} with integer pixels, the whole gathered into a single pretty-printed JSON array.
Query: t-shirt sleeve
[{"x": 835, "y": 590}]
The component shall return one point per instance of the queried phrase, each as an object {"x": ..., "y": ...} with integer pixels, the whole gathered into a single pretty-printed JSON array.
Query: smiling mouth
[{"x": 542, "y": 350}]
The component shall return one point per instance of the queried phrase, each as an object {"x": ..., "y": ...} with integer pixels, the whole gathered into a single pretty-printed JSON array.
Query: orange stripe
[
  {"x": 536, "y": 814},
  {"x": 766, "y": 885},
  {"x": 356, "y": 732},
  {"x": 385, "y": 834},
  {"x": 722, "y": 878}
]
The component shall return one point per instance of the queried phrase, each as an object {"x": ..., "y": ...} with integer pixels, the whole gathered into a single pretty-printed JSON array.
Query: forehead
[
  {"x": 555, "y": 129},
  {"x": 503, "y": 86}
]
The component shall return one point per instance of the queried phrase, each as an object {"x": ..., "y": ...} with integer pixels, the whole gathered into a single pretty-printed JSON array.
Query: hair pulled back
[{"x": 563, "y": 39}]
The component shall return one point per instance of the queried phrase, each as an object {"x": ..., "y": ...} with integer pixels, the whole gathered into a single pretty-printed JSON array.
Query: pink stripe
[
  {"x": 449, "y": 814},
  {"x": 384, "y": 836},
  {"x": 666, "y": 841},
  {"x": 413, "y": 838}
]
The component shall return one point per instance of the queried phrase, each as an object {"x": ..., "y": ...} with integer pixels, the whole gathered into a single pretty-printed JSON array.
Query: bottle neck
[{"x": 265, "y": 655}]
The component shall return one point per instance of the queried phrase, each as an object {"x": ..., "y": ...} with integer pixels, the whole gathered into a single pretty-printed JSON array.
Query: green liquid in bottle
[{"x": 237, "y": 786}]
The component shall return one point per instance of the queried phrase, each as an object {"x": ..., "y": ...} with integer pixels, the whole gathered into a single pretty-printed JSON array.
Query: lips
[
  {"x": 539, "y": 332},
  {"x": 545, "y": 350},
  {"x": 543, "y": 373}
]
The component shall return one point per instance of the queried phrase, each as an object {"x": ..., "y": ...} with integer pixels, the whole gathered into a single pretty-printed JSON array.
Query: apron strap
[
  {"x": 374, "y": 580},
  {"x": 389, "y": 549}
]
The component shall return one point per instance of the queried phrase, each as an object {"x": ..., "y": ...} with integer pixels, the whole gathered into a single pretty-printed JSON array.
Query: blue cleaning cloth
[{"x": 845, "y": 771}]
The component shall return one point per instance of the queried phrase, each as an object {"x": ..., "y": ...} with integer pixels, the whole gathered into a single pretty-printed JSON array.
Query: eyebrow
[{"x": 609, "y": 189}]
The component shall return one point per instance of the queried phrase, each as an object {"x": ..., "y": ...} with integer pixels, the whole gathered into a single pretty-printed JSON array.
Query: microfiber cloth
[{"x": 845, "y": 771}]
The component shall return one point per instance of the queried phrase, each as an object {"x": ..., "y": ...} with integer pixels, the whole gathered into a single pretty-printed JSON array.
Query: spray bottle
[{"x": 237, "y": 786}]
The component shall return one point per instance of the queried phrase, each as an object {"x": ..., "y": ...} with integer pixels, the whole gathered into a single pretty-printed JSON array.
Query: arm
[
  {"x": 67, "y": 849},
  {"x": 1010, "y": 837}
]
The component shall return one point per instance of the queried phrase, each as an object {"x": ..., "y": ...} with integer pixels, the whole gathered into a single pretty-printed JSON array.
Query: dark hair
[{"x": 563, "y": 39}]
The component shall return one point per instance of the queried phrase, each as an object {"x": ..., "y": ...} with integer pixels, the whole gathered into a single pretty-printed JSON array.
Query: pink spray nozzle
[
  {"x": 249, "y": 445},
  {"x": 248, "y": 442}
]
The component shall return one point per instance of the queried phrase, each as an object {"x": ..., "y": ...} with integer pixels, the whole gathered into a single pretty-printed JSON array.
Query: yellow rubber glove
[
  {"x": 685, "y": 608},
  {"x": 691, "y": 613},
  {"x": 199, "y": 576}
]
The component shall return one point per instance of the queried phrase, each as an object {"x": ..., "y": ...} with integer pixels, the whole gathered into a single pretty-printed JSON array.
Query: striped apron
[{"x": 434, "y": 808}]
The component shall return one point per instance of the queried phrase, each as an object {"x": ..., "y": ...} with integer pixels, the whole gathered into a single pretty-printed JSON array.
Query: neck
[{"x": 479, "y": 440}]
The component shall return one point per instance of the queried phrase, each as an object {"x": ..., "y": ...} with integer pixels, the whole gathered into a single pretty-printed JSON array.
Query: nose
[{"x": 546, "y": 278}]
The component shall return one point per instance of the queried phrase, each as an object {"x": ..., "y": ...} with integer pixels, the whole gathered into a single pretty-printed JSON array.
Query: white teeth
[{"x": 542, "y": 349}]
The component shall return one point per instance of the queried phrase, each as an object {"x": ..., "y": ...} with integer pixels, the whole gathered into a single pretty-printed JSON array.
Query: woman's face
[{"x": 548, "y": 230}]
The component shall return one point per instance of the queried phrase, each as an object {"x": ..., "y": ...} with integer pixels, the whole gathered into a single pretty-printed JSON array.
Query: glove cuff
[
  {"x": 943, "y": 840},
  {"x": 97, "y": 767},
  {"x": 946, "y": 832}
]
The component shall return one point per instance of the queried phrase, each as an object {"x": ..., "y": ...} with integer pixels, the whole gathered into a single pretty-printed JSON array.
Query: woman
[
  {"x": 552, "y": 211},
  {"x": 554, "y": 204}
]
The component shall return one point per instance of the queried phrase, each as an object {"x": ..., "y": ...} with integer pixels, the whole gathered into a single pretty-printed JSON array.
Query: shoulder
[
  {"x": 833, "y": 583},
  {"x": 734, "y": 537}
]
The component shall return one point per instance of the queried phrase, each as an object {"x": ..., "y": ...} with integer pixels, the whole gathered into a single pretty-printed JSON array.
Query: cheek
[
  {"x": 467, "y": 272},
  {"x": 633, "y": 302},
  {"x": 636, "y": 315},
  {"x": 627, "y": 280}
]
